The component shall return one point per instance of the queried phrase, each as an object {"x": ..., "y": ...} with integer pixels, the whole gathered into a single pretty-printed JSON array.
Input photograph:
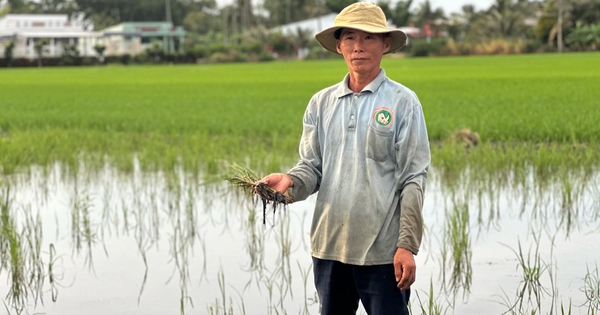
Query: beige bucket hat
[{"x": 362, "y": 16}]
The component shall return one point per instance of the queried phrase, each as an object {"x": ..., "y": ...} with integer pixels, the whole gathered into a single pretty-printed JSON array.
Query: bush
[
  {"x": 422, "y": 48},
  {"x": 125, "y": 59},
  {"x": 251, "y": 48},
  {"x": 231, "y": 56}
]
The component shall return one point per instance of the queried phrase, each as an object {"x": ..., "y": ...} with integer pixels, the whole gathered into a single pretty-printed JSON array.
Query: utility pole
[
  {"x": 225, "y": 12},
  {"x": 169, "y": 38},
  {"x": 168, "y": 9},
  {"x": 559, "y": 40}
]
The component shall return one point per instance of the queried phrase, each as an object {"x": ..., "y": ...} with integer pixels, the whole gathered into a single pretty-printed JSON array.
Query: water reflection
[{"x": 166, "y": 242}]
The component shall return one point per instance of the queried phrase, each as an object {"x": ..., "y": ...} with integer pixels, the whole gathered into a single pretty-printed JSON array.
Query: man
[{"x": 365, "y": 148}]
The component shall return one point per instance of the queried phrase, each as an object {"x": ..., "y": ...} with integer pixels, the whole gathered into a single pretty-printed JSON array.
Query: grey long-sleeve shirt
[{"x": 367, "y": 154}]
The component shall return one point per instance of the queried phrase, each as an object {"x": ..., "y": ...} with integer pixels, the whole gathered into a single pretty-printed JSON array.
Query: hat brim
[{"x": 327, "y": 40}]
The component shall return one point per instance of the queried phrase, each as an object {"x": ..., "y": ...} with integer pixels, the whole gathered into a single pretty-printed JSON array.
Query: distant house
[
  {"x": 26, "y": 29},
  {"x": 313, "y": 25},
  {"x": 125, "y": 38},
  {"x": 135, "y": 37}
]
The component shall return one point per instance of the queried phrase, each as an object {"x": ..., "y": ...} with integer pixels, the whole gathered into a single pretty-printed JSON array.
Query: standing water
[{"x": 136, "y": 242}]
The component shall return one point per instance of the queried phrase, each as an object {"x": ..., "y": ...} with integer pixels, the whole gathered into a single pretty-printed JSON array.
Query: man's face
[{"x": 362, "y": 50}]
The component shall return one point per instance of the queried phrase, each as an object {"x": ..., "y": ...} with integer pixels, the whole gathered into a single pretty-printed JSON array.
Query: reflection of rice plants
[
  {"x": 456, "y": 251},
  {"x": 81, "y": 227},
  {"x": 20, "y": 257},
  {"x": 221, "y": 307},
  {"x": 13, "y": 255}
]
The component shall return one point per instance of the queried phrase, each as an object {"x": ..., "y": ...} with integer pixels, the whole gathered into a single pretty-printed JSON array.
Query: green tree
[
  {"x": 99, "y": 48},
  {"x": 41, "y": 6},
  {"x": 504, "y": 19},
  {"x": 202, "y": 23},
  {"x": 118, "y": 11},
  {"x": 338, "y": 5},
  {"x": 400, "y": 14},
  {"x": 426, "y": 14},
  {"x": 70, "y": 54},
  {"x": 40, "y": 47},
  {"x": 586, "y": 12},
  {"x": 286, "y": 11},
  {"x": 584, "y": 37},
  {"x": 9, "y": 47}
]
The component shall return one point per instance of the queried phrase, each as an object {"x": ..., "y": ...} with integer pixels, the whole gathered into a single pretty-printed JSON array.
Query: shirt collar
[{"x": 344, "y": 90}]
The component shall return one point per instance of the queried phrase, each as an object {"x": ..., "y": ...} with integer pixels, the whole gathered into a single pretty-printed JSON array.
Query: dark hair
[{"x": 337, "y": 33}]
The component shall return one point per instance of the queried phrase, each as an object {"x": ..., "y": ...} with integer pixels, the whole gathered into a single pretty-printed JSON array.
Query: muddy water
[{"x": 155, "y": 243}]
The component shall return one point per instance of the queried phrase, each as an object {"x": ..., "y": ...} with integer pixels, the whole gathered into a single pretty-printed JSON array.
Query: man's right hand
[{"x": 278, "y": 181}]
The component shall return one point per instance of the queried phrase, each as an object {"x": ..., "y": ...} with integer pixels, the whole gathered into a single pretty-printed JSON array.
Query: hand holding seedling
[
  {"x": 405, "y": 268},
  {"x": 278, "y": 181}
]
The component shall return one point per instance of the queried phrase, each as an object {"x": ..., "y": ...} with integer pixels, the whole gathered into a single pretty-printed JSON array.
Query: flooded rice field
[{"x": 135, "y": 242}]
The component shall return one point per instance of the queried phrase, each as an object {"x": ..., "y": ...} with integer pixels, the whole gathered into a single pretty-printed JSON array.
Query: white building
[
  {"x": 125, "y": 38},
  {"x": 26, "y": 29}
]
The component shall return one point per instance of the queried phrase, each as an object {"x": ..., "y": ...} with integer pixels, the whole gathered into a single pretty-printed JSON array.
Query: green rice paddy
[{"x": 205, "y": 116}]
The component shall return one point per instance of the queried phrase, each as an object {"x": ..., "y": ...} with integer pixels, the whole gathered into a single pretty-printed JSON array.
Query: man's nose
[{"x": 358, "y": 46}]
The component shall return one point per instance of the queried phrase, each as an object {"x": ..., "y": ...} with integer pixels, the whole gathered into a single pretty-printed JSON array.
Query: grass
[{"x": 201, "y": 116}]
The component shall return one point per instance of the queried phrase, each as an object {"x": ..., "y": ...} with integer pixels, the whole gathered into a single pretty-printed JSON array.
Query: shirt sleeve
[
  {"x": 306, "y": 175},
  {"x": 413, "y": 161}
]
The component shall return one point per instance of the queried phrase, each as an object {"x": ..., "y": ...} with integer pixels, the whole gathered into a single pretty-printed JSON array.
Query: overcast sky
[{"x": 451, "y": 6}]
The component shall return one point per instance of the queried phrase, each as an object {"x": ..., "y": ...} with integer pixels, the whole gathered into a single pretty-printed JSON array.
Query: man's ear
[
  {"x": 387, "y": 43},
  {"x": 337, "y": 46}
]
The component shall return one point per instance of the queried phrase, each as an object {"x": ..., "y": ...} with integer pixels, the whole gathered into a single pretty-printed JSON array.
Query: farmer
[{"x": 364, "y": 148}]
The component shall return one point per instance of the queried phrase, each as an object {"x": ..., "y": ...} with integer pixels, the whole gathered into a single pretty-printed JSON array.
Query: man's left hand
[{"x": 405, "y": 268}]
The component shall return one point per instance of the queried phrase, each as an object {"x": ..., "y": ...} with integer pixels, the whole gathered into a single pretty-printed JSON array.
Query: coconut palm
[
  {"x": 400, "y": 14},
  {"x": 504, "y": 19},
  {"x": 569, "y": 13},
  {"x": 426, "y": 14}
]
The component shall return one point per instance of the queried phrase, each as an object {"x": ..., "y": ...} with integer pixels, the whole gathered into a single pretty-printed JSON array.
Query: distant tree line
[{"x": 245, "y": 29}]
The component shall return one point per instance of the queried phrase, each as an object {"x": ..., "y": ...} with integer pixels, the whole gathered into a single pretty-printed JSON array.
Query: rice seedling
[
  {"x": 531, "y": 291},
  {"x": 304, "y": 272},
  {"x": 249, "y": 182},
  {"x": 431, "y": 306},
  {"x": 591, "y": 289}
]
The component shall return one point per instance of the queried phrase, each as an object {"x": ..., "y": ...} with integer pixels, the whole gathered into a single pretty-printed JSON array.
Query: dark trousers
[{"x": 340, "y": 287}]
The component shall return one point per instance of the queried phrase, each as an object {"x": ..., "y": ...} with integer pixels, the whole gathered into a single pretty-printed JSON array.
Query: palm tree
[
  {"x": 504, "y": 19},
  {"x": 426, "y": 15}
]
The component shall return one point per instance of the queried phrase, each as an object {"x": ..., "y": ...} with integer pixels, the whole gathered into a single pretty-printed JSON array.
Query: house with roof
[
  {"x": 26, "y": 29},
  {"x": 125, "y": 38},
  {"x": 135, "y": 37}
]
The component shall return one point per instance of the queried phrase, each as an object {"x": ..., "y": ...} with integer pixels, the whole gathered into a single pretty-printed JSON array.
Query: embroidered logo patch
[{"x": 383, "y": 116}]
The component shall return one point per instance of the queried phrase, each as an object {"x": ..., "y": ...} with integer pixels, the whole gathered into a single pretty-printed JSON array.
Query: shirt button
[
  {"x": 352, "y": 117},
  {"x": 355, "y": 97}
]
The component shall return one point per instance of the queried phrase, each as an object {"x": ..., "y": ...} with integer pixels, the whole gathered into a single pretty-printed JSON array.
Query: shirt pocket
[{"x": 379, "y": 143}]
